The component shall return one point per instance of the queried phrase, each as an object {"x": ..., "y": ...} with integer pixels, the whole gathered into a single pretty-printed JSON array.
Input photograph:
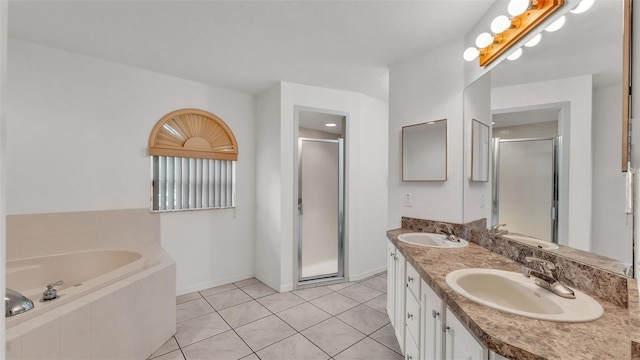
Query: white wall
[
  {"x": 78, "y": 130},
  {"x": 366, "y": 175},
  {"x": 578, "y": 92},
  {"x": 611, "y": 227},
  {"x": 423, "y": 88}
]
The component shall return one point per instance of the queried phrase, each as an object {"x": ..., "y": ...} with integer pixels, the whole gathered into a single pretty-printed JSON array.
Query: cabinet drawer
[
  {"x": 411, "y": 350},
  {"x": 413, "y": 317},
  {"x": 413, "y": 281}
]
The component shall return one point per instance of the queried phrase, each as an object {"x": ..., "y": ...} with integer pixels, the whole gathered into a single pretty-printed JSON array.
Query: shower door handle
[{"x": 299, "y": 206}]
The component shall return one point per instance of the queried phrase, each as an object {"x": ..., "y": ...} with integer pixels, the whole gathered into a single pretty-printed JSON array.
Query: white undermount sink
[
  {"x": 514, "y": 293},
  {"x": 539, "y": 243},
  {"x": 432, "y": 240}
]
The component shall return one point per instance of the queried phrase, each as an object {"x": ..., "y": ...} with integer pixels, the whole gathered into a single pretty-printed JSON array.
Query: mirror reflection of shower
[
  {"x": 320, "y": 195},
  {"x": 525, "y": 163}
]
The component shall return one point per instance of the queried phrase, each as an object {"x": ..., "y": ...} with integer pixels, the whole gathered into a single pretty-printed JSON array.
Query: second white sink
[
  {"x": 431, "y": 240},
  {"x": 512, "y": 292},
  {"x": 539, "y": 243}
]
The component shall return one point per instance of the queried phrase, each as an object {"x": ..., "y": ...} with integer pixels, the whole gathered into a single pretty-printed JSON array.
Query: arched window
[{"x": 193, "y": 159}]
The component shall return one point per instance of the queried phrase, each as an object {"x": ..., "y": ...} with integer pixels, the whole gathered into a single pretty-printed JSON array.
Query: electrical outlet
[{"x": 408, "y": 200}]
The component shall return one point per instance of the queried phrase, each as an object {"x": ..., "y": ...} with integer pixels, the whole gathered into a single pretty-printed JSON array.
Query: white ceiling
[
  {"x": 249, "y": 46},
  {"x": 526, "y": 117},
  {"x": 315, "y": 120}
]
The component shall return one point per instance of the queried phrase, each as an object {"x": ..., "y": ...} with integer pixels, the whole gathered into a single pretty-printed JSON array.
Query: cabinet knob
[
  {"x": 390, "y": 254},
  {"x": 409, "y": 279},
  {"x": 434, "y": 313},
  {"x": 409, "y": 316},
  {"x": 409, "y": 357}
]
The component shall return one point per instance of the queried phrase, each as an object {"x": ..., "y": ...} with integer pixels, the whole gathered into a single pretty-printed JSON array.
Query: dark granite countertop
[{"x": 513, "y": 336}]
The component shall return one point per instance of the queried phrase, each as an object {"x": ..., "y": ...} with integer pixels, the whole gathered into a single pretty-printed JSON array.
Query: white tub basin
[
  {"x": 431, "y": 240},
  {"x": 539, "y": 243},
  {"x": 512, "y": 292}
]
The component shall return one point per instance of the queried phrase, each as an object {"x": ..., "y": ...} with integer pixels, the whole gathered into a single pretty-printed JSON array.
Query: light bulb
[
  {"x": 517, "y": 7},
  {"x": 556, "y": 25},
  {"x": 583, "y": 6},
  {"x": 534, "y": 41},
  {"x": 483, "y": 40},
  {"x": 471, "y": 54},
  {"x": 515, "y": 55},
  {"x": 330, "y": 124},
  {"x": 500, "y": 24}
]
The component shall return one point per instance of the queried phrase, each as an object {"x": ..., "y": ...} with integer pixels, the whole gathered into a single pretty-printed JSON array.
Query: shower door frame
[
  {"x": 555, "y": 186},
  {"x": 343, "y": 224}
]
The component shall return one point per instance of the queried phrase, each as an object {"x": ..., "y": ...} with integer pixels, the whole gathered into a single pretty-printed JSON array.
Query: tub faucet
[
  {"x": 495, "y": 229},
  {"x": 51, "y": 293},
  {"x": 15, "y": 303},
  {"x": 547, "y": 277}
]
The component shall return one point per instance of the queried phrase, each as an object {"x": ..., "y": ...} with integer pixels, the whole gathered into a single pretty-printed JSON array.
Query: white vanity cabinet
[
  {"x": 431, "y": 341},
  {"x": 396, "y": 292},
  {"x": 413, "y": 310},
  {"x": 460, "y": 344}
]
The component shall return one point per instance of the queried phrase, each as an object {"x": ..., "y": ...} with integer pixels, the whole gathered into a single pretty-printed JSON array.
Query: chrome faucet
[
  {"x": 51, "y": 293},
  {"x": 449, "y": 235},
  {"x": 547, "y": 277},
  {"x": 495, "y": 229}
]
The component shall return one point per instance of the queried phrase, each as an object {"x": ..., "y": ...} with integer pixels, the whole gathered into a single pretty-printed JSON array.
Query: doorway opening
[{"x": 320, "y": 194}]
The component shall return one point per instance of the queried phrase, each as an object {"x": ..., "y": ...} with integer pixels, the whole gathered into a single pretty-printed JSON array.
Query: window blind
[{"x": 187, "y": 183}]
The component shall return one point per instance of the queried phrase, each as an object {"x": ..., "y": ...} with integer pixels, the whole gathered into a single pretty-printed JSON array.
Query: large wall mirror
[
  {"x": 555, "y": 113},
  {"x": 424, "y": 151},
  {"x": 479, "y": 151}
]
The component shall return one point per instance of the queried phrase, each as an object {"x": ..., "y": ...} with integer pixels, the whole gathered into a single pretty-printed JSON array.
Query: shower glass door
[
  {"x": 526, "y": 187},
  {"x": 320, "y": 204}
]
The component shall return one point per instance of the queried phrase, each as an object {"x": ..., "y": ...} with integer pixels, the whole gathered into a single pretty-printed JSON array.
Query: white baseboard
[
  {"x": 366, "y": 274},
  {"x": 213, "y": 283}
]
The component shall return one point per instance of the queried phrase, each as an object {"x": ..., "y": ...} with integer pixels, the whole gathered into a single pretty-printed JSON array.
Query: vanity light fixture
[
  {"x": 526, "y": 15},
  {"x": 583, "y": 6},
  {"x": 534, "y": 41},
  {"x": 515, "y": 55},
  {"x": 556, "y": 25},
  {"x": 330, "y": 125}
]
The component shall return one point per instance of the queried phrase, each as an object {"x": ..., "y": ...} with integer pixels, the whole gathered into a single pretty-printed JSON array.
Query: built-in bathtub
[{"x": 114, "y": 304}]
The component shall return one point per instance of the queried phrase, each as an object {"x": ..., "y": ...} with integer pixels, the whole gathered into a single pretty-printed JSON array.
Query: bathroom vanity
[{"x": 432, "y": 321}]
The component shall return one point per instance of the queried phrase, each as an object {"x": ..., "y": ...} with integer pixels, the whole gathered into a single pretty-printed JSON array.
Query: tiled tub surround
[
  {"x": 126, "y": 312},
  {"x": 512, "y": 336}
]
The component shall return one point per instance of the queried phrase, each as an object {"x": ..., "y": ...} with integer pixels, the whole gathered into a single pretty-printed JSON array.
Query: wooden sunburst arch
[{"x": 193, "y": 133}]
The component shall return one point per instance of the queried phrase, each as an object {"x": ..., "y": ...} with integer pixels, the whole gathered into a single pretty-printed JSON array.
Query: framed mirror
[
  {"x": 424, "y": 151},
  {"x": 479, "y": 151}
]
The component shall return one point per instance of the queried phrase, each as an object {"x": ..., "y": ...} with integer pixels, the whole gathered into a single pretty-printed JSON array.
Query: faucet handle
[
  {"x": 57, "y": 283},
  {"x": 545, "y": 265}
]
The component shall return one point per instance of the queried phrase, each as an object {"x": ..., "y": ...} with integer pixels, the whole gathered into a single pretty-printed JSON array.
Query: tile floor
[{"x": 248, "y": 320}]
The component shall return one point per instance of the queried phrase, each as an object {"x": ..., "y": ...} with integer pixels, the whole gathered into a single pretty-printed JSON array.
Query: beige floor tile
[
  {"x": 313, "y": 293},
  {"x": 264, "y": 332},
  {"x": 169, "y": 346},
  {"x": 244, "y": 313},
  {"x": 378, "y": 303},
  {"x": 387, "y": 336},
  {"x": 368, "y": 349},
  {"x": 340, "y": 286},
  {"x": 294, "y": 347},
  {"x": 360, "y": 293},
  {"x": 376, "y": 283},
  {"x": 333, "y": 336},
  {"x": 246, "y": 282},
  {"x": 334, "y": 303},
  {"x": 188, "y": 297},
  {"x": 364, "y": 318},
  {"x": 174, "y": 355},
  {"x": 200, "y": 328},
  {"x": 303, "y": 316},
  {"x": 280, "y": 301},
  {"x": 218, "y": 289},
  {"x": 258, "y": 290},
  {"x": 228, "y": 299},
  {"x": 225, "y": 346},
  {"x": 192, "y": 309}
]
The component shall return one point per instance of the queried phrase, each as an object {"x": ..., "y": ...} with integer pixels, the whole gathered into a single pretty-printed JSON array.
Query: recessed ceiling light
[{"x": 330, "y": 125}]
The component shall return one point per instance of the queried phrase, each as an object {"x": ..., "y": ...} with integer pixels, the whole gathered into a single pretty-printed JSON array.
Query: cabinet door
[
  {"x": 461, "y": 345},
  {"x": 391, "y": 285},
  {"x": 430, "y": 324},
  {"x": 400, "y": 298}
]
